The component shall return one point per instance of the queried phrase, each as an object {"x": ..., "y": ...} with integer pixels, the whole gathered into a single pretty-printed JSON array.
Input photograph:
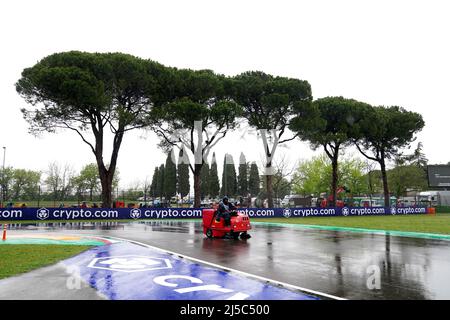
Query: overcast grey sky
[{"x": 381, "y": 52}]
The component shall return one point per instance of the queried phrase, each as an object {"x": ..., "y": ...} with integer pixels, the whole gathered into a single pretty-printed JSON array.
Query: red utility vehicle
[{"x": 239, "y": 225}]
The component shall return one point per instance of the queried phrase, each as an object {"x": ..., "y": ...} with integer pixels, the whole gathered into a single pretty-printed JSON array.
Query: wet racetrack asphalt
[{"x": 333, "y": 262}]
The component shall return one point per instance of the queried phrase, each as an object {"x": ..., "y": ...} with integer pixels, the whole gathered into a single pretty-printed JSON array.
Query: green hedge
[{"x": 442, "y": 209}]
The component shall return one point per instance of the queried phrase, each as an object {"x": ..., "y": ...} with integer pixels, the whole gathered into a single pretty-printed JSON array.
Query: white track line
[{"x": 249, "y": 275}]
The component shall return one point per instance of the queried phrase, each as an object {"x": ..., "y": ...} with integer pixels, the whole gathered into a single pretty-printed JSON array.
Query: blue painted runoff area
[
  {"x": 42, "y": 214},
  {"x": 127, "y": 271}
]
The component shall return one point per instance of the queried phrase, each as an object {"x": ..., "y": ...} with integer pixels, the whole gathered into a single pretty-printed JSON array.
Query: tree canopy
[
  {"x": 242, "y": 179},
  {"x": 404, "y": 178},
  {"x": 229, "y": 177},
  {"x": 268, "y": 104},
  {"x": 154, "y": 188},
  {"x": 88, "y": 180},
  {"x": 183, "y": 184},
  {"x": 170, "y": 178},
  {"x": 199, "y": 116},
  {"x": 313, "y": 176},
  {"x": 254, "y": 180},
  {"x": 91, "y": 93},
  {"x": 19, "y": 184},
  {"x": 102, "y": 95},
  {"x": 384, "y": 132},
  {"x": 338, "y": 124}
]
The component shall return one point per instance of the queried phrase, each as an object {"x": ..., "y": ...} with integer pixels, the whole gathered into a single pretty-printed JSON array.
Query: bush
[{"x": 442, "y": 209}]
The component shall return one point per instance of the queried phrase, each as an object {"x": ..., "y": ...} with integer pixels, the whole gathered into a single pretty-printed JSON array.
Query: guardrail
[{"x": 18, "y": 214}]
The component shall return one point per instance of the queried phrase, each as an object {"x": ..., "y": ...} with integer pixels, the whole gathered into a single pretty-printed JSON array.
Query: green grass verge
[
  {"x": 17, "y": 259},
  {"x": 439, "y": 223}
]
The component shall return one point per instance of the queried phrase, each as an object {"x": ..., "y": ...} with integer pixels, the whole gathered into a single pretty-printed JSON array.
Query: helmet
[{"x": 225, "y": 199}]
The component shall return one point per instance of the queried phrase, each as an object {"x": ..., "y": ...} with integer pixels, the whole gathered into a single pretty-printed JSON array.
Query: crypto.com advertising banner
[{"x": 12, "y": 214}]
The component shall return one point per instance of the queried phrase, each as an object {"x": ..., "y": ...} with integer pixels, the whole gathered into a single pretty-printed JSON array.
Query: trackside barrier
[{"x": 37, "y": 214}]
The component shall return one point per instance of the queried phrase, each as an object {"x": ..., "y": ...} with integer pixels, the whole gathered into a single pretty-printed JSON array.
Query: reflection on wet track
[{"x": 334, "y": 262}]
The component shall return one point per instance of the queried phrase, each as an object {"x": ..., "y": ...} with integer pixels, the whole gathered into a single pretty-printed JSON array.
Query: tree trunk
[
  {"x": 107, "y": 175},
  {"x": 197, "y": 193},
  {"x": 385, "y": 181},
  {"x": 370, "y": 186},
  {"x": 106, "y": 182},
  {"x": 197, "y": 186},
  {"x": 269, "y": 187},
  {"x": 334, "y": 178},
  {"x": 106, "y": 196}
]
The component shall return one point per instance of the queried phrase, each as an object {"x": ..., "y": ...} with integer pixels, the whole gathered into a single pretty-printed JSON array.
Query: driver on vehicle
[{"x": 224, "y": 210}]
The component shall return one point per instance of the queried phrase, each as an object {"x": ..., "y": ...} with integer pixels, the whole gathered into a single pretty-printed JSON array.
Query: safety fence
[{"x": 36, "y": 214}]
